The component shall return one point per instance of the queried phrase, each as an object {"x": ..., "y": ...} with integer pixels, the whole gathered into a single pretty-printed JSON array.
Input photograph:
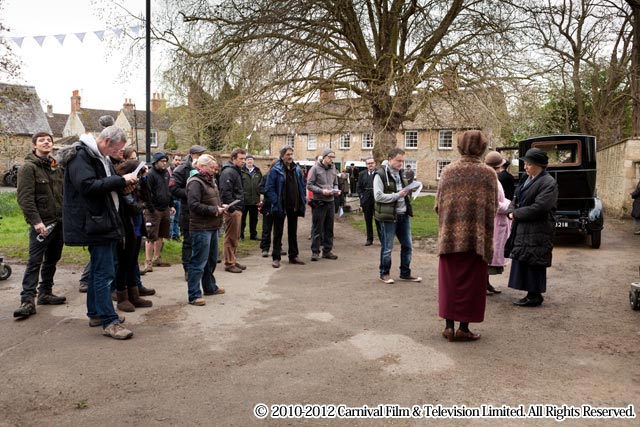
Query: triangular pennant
[
  {"x": 60, "y": 38},
  {"x": 80, "y": 36},
  {"x": 117, "y": 31},
  {"x": 99, "y": 35},
  {"x": 18, "y": 40},
  {"x": 39, "y": 39},
  {"x": 135, "y": 29}
]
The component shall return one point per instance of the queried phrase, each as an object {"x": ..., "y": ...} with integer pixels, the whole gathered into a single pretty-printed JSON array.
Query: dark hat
[
  {"x": 493, "y": 159},
  {"x": 158, "y": 156},
  {"x": 249, "y": 156},
  {"x": 195, "y": 149},
  {"x": 536, "y": 156},
  {"x": 326, "y": 152}
]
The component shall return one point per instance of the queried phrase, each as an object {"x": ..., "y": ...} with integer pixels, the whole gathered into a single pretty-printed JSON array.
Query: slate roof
[
  {"x": 90, "y": 118},
  {"x": 159, "y": 121},
  {"x": 20, "y": 110},
  {"x": 57, "y": 121}
]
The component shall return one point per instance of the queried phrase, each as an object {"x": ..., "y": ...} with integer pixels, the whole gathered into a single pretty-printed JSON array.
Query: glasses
[
  {"x": 371, "y": 163},
  {"x": 331, "y": 157}
]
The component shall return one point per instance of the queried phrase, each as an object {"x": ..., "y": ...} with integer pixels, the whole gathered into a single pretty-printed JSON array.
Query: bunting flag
[{"x": 61, "y": 38}]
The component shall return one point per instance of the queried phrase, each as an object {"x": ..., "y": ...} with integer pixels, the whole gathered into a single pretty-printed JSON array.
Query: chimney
[
  {"x": 75, "y": 101},
  {"x": 49, "y": 110},
  {"x": 158, "y": 102},
  {"x": 128, "y": 105}
]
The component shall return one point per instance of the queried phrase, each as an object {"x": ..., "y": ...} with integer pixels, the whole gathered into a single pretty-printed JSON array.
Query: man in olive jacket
[{"x": 40, "y": 198}]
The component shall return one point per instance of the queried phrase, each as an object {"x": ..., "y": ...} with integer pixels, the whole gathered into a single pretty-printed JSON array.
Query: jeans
[
  {"x": 292, "y": 234},
  {"x": 252, "y": 210},
  {"x": 204, "y": 257},
  {"x": 43, "y": 257},
  {"x": 175, "y": 220},
  {"x": 322, "y": 218},
  {"x": 401, "y": 229},
  {"x": 102, "y": 274}
]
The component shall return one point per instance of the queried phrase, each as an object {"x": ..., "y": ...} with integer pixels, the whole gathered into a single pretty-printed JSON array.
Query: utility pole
[{"x": 147, "y": 132}]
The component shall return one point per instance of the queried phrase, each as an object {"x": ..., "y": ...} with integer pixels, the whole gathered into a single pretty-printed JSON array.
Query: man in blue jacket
[
  {"x": 285, "y": 191},
  {"x": 90, "y": 218}
]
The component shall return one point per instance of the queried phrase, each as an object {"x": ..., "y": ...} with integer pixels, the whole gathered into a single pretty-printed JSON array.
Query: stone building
[
  {"x": 20, "y": 117},
  {"x": 429, "y": 140}
]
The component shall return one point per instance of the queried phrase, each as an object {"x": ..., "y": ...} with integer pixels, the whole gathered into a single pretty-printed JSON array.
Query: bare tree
[
  {"x": 635, "y": 66},
  {"x": 390, "y": 55}
]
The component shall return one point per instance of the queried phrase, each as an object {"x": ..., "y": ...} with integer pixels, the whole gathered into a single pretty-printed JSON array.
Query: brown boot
[
  {"x": 123, "y": 301},
  {"x": 134, "y": 297}
]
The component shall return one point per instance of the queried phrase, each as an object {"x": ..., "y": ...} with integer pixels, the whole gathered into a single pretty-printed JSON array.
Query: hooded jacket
[
  {"x": 40, "y": 190},
  {"x": 90, "y": 203},
  {"x": 231, "y": 187}
]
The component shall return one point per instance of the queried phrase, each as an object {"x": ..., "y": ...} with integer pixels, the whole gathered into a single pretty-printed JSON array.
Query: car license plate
[{"x": 562, "y": 224}]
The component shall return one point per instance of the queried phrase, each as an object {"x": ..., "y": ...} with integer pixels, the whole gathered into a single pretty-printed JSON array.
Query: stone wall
[
  {"x": 13, "y": 150},
  {"x": 618, "y": 174}
]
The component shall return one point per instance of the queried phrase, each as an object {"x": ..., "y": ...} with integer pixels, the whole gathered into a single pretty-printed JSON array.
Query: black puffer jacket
[
  {"x": 533, "y": 211},
  {"x": 89, "y": 212},
  {"x": 161, "y": 197},
  {"x": 231, "y": 187}
]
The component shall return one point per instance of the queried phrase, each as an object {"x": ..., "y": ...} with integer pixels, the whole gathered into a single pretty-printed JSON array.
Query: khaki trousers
[{"x": 232, "y": 223}]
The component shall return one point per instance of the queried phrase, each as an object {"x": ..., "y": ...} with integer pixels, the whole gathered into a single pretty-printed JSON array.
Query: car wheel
[
  {"x": 596, "y": 239},
  {"x": 634, "y": 299},
  {"x": 5, "y": 272}
]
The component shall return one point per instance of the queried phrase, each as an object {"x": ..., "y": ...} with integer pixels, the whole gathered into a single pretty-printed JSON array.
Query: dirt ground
[{"x": 329, "y": 333}]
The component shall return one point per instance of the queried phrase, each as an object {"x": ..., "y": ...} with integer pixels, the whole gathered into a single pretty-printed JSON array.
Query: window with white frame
[
  {"x": 440, "y": 165},
  {"x": 411, "y": 139},
  {"x": 154, "y": 138},
  {"x": 345, "y": 140},
  {"x": 288, "y": 140},
  {"x": 312, "y": 141},
  {"x": 445, "y": 139},
  {"x": 367, "y": 141},
  {"x": 412, "y": 163}
]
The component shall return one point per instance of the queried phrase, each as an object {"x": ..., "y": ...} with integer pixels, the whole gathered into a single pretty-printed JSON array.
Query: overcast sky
[{"x": 91, "y": 66}]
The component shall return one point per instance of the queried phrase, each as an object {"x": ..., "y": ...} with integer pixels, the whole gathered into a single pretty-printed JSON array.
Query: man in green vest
[{"x": 392, "y": 209}]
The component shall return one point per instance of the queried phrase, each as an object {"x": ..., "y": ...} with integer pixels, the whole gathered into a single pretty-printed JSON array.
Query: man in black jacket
[
  {"x": 91, "y": 204},
  {"x": 158, "y": 214},
  {"x": 178, "y": 188},
  {"x": 365, "y": 193},
  {"x": 230, "y": 192}
]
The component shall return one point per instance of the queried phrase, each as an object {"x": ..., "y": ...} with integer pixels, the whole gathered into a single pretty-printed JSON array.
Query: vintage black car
[{"x": 572, "y": 162}]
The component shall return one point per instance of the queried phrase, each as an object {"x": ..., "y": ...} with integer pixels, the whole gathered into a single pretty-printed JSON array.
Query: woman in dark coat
[
  {"x": 466, "y": 203},
  {"x": 532, "y": 210}
]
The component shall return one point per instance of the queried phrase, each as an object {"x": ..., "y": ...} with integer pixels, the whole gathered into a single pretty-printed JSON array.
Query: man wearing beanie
[
  {"x": 40, "y": 198},
  {"x": 323, "y": 183},
  {"x": 158, "y": 214}
]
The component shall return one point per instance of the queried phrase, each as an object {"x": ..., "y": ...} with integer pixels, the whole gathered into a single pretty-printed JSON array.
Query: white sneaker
[
  {"x": 386, "y": 279},
  {"x": 117, "y": 331},
  {"x": 411, "y": 279}
]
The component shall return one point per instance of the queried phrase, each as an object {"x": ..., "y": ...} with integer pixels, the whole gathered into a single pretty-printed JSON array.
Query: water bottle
[{"x": 40, "y": 237}]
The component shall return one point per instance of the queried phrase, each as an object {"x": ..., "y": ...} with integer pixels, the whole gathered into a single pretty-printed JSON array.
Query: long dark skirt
[
  {"x": 462, "y": 287},
  {"x": 530, "y": 278}
]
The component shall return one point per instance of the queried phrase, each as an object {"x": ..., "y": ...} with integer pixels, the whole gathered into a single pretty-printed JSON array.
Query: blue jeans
[
  {"x": 204, "y": 257},
  {"x": 101, "y": 276},
  {"x": 402, "y": 229},
  {"x": 175, "y": 220}
]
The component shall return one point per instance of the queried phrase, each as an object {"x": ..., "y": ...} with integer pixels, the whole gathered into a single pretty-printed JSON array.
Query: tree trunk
[
  {"x": 579, "y": 96},
  {"x": 635, "y": 69}
]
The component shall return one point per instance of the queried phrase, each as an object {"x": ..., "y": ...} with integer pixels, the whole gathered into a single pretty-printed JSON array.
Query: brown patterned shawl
[{"x": 466, "y": 203}]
